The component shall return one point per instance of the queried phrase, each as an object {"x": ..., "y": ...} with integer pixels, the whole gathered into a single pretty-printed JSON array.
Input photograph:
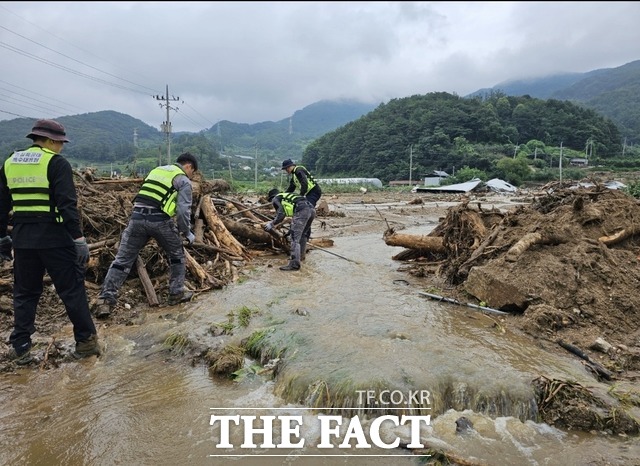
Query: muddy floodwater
[{"x": 354, "y": 327}]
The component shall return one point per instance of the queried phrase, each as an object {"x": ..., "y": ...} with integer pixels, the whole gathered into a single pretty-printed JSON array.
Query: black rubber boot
[
  {"x": 183, "y": 297},
  {"x": 289, "y": 266}
]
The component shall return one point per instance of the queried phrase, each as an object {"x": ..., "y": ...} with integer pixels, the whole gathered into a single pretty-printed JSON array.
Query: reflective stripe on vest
[
  {"x": 289, "y": 202},
  {"x": 158, "y": 188},
  {"x": 311, "y": 183},
  {"x": 26, "y": 173}
]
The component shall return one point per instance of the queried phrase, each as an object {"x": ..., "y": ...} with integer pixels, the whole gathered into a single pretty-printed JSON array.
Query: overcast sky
[{"x": 248, "y": 62}]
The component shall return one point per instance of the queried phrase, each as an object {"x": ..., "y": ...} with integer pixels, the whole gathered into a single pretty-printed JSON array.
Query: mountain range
[{"x": 612, "y": 92}]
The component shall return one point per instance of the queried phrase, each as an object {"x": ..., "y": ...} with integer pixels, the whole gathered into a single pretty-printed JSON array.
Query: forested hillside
[
  {"x": 114, "y": 140},
  {"x": 512, "y": 137},
  {"x": 612, "y": 92},
  {"x": 615, "y": 94},
  {"x": 100, "y": 137},
  {"x": 443, "y": 131}
]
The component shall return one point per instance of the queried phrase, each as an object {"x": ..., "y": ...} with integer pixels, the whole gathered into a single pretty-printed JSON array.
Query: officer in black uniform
[
  {"x": 37, "y": 185},
  {"x": 302, "y": 181},
  {"x": 302, "y": 215}
]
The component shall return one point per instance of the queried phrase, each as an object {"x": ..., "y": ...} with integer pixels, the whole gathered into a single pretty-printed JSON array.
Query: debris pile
[
  {"x": 566, "y": 265},
  {"x": 228, "y": 236}
]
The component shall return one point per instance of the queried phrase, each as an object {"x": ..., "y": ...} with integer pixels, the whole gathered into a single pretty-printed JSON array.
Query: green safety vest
[
  {"x": 28, "y": 184},
  {"x": 289, "y": 202},
  {"x": 311, "y": 183},
  {"x": 158, "y": 188}
]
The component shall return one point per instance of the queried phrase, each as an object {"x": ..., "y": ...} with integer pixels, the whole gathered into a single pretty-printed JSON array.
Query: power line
[
  {"x": 186, "y": 117},
  {"x": 28, "y": 97},
  {"x": 22, "y": 103},
  {"x": 80, "y": 73},
  {"x": 14, "y": 114},
  {"x": 77, "y": 61},
  {"x": 203, "y": 117},
  {"x": 64, "y": 68},
  {"x": 46, "y": 61}
]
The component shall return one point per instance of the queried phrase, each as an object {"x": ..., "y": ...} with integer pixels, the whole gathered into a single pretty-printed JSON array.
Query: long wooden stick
[
  {"x": 146, "y": 283},
  {"x": 246, "y": 210},
  {"x": 313, "y": 246}
]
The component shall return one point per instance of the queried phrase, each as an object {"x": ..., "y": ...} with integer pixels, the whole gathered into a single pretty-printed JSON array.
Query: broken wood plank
[{"x": 152, "y": 297}]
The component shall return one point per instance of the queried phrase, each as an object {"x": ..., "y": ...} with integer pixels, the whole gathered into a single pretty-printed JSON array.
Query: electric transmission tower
[{"x": 166, "y": 125}]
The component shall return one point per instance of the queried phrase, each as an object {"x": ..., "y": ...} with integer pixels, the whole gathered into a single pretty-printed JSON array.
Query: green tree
[{"x": 514, "y": 171}]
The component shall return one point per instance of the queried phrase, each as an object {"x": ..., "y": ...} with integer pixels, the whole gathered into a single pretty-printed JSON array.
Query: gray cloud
[{"x": 256, "y": 61}]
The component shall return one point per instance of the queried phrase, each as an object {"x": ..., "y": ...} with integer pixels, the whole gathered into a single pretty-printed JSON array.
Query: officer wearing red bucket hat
[{"x": 36, "y": 184}]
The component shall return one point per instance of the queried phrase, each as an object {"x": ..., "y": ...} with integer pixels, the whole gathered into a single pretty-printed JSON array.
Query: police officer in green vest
[
  {"x": 302, "y": 214},
  {"x": 166, "y": 193},
  {"x": 37, "y": 185},
  {"x": 302, "y": 181}
]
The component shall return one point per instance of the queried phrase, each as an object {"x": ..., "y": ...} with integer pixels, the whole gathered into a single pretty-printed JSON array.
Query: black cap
[
  {"x": 287, "y": 163},
  {"x": 188, "y": 158},
  {"x": 272, "y": 193}
]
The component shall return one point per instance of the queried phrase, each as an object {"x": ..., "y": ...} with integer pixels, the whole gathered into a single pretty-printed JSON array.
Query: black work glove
[
  {"x": 5, "y": 249},
  {"x": 82, "y": 248}
]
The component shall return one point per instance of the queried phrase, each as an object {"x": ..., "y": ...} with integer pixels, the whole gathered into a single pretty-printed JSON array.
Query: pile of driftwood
[
  {"x": 228, "y": 234},
  {"x": 455, "y": 244},
  {"x": 505, "y": 258}
]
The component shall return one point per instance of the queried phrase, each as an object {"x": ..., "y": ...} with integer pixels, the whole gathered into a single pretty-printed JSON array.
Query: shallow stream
[{"x": 351, "y": 328}]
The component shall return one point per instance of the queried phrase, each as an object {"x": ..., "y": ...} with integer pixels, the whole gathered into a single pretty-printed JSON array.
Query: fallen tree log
[
  {"x": 247, "y": 212},
  {"x": 218, "y": 228},
  {"x": 104, "y": 243},
  {"x": 247, "y": 231},
  {"x": 620, "y": 236},
  {"x": 227, "y": 254},
  {"x": 434, "y": 244},
  {"x": 124, "y": 184},
  {"x": 200, "y": 273},
  {"x": 529, "y": 240}
]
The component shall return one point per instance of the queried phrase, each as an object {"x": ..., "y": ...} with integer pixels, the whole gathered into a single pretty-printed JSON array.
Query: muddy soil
[{"x": 577, "y": 288}]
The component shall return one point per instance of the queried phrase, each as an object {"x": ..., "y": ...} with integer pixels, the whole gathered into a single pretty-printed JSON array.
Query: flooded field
[{"x": 348, "y": 330}]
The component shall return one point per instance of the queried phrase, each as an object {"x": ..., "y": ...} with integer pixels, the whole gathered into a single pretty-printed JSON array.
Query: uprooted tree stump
[{"x": 574, "y": 252}]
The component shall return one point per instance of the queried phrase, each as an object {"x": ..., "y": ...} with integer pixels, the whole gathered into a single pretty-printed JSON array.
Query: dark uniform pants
[
  {"x": 29, "y": 266},
  {"x": 300, "y": 230},
  {"x": 140, "y": 229},
  {"x": 313, "y": 195}
]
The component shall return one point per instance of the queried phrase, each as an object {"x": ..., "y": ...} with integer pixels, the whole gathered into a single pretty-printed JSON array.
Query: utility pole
[
  {"x": 255, "y": 180},
  {"x": 560, "y": 161},
  {"x": 135, "y": 152},
  {"x": 166, "y": 125},
  {"x": 410, "y": 164},
  {"x": 588, "y": 150}
]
